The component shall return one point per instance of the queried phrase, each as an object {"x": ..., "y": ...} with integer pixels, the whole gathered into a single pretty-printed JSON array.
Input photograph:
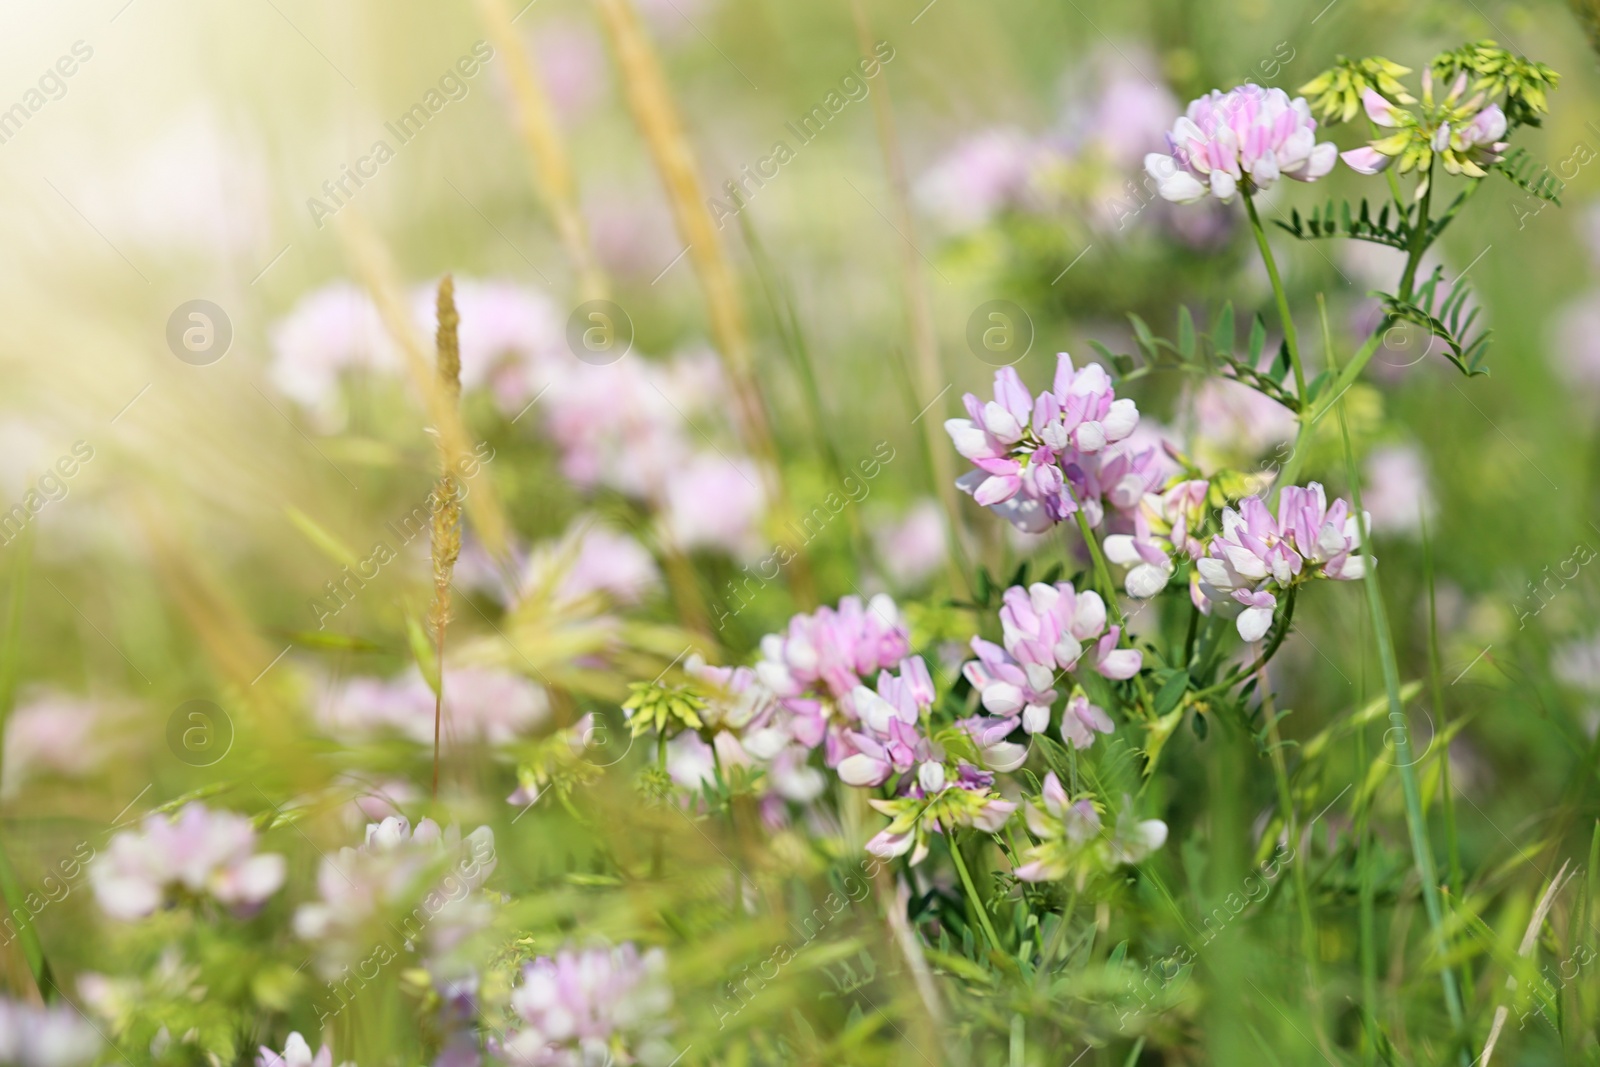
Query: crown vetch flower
[
  {"x": 1066, "y": 831},
  {"x": 1161, "y": 532},
  {"x": 56, "y": 1035},
  {"x": 1027, "y": 449},
  {"x": 936, "y": 800},
  {"x": 296, "y": 1053},
  {"x": 1247, "y": 136},
  {"x": 593, "y": 1005},
  {"x": 201, "y": 852},
  {"x": 887, "y": 740},
  {"x": 1255, "y": 557},
  {"x": 815, "y": 667},
  {"x": 1464, "y": 134}
]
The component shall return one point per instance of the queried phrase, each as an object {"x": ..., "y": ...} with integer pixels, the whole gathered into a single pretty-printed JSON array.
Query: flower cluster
[
  {"x": 1247, "y": 137},
  {"x": 485, "y": 706},
  {"x": 593, "y": 1005},
  {"x": 1464, "y": 134},
  {"x": 1071, "y": 840},
  {"x": 1040, "y": 459},
  {"x": 1048, "y": 630},
  {"x": 623, "y": 425},
  {"x": 395, "y": 869},
  {"x": 200, "y": 853},
  {"x": 56, "y": 1035},
  {"x": 935, "y": 799},
  {"x": 816, "y": 666},
  {"x": 1257, "y": 557},
  {"x": 1164, "y": 531}
]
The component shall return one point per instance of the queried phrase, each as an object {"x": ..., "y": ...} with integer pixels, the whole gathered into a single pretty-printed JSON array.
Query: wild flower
[
  {"x": 815, "y": 666},
  {"x": 1066, "y": 830},
  {"x": 1040, "y": 458},
  {"x": 1464, "y": 134},
  {"x": 1256, "y": 557},
  {"x": 1072, "y": 841},
  {"x": 199, "y": 854},
  {"x": 55, "y": 1035},
  {"x": 913, "y": 547},
  {"x": 428, "y": 876},
  {"x": 887, "y": 738},
  {"x": 1164, "y": 531},
  {"x": 486, "y": 705},
  {"x": 1245, "y": 138},
  {"x": 296, "y": 1053},
  {"x": 938, "y": 798},
  {"x": 1047, "y": 630},
  {"x": 590, "y": 1005}
]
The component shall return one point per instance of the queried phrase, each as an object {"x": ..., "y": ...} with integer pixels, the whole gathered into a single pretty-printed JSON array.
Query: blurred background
[{"x": 208, "y": 424}]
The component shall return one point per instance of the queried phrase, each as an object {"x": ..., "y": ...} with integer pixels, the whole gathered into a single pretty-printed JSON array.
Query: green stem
[
  {"x": 972, "y": 895},
  {"x": 1290, "y": 340},
  {"x": 1416, "y": 822},
  {"x": 1419, "y": 241},
  {"x": 1302, "y": 888},
  {"x": 1280, "y": 632}
]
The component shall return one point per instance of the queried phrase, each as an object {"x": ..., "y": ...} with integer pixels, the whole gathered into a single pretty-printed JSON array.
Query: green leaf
[
  {"x": 1185, "y": 334},
  {"x": 1222, "y": 329},
  {"x": 1171, "y": 692},
  {"x": 1258, "y": 340}
]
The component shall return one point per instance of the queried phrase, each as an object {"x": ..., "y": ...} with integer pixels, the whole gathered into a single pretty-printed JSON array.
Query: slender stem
[
  {"x": 1290, "y": 340},
  {"x": 1302, "y": 888},
  {"x": 1273, "y": 643},
  {"x": 1421, "y": 845},
  {"x": 1419, "y": 240},
  {"x": 972, "y": 895},
  {"x": 1457, "y": 881},
  {"x": 438, "y": 707},
  {"x": 1188, "y": 637},
  {"x": 1102, "y": 573}
]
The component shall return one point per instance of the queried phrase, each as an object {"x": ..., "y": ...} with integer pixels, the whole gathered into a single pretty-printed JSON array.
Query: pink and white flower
[
  {"x": 1247, "y": 137},
  {"x": 200, "y": 852},
  {"x": 592, "y": 1005}
]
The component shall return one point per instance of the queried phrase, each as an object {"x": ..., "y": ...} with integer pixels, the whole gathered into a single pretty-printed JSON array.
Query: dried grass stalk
[
  {"x": 651, "y": 102},
  {"x": 446, "y": 502},
  {"x": 375, "y": 268},
  {"x": 546, "y": 148}
]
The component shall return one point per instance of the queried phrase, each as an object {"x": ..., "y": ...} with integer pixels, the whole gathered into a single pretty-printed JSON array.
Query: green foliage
[
  {"x": 1450, "y": 319},
  {"x": 1360, "y": 225}
]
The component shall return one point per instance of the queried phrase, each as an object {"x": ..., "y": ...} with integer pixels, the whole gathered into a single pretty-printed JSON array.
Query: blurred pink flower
[
  {"x": 714, "y": 501},
  {"x": 394, "y": 869},
  {"x": 200, "y": 852},
  {"x": 1247, "y": 135},
  {"x": 982, "y": 176},
  {"x": 913, "y": 547},
  {"x": 573, "y": 64},
  {"x": 1396, "y": 493},
  {"x": 1233, "y": 424},
  {"x": 1577, "y": 347},
  {"x": 54, "y": 733},
  {"x": 329, "y": 332},
  {"x": 590, "y": 1006},
  {"x": 482, "y": 705},
  {"x": 511, "y": 335},
  {"x": 593, "y": 559},
  {"x": 296, "y": 1053},
  {"x": 54, "y": 1035}
]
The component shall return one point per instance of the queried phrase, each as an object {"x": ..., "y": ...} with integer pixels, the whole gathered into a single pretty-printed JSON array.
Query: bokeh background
[{"x": 995, "y": 156}]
